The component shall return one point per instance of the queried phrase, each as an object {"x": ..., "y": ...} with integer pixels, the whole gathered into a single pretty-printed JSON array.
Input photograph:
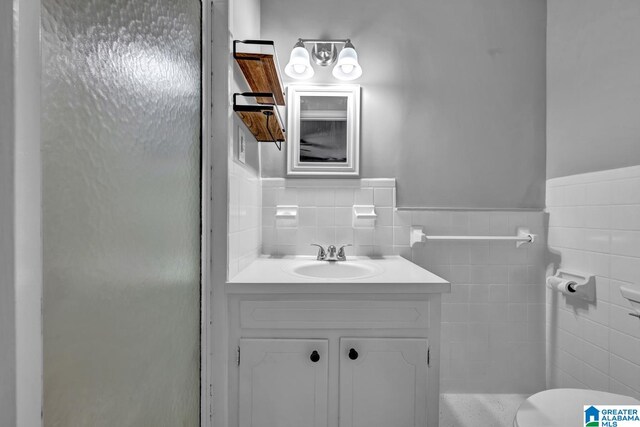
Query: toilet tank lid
[{"x": 562, "y": 407}]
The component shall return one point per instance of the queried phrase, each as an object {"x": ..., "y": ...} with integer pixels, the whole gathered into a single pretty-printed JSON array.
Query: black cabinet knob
[
  {"x": 314, "y": 356},
  {"x": 353, "y": 354}
]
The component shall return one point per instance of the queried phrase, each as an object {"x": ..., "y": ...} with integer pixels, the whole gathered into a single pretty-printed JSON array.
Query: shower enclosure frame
[
  {"x": 23, "y": 287},
  {"x": 206, "y": 201}
]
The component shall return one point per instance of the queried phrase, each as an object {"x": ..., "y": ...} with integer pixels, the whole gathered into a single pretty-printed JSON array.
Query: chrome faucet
[
  {"x": 321, "y": 253},
  {"x": 332, "y": 253},
  {"x": 342, "y": 256}
]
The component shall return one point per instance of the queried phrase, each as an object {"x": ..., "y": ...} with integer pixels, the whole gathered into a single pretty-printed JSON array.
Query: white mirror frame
[{"x": 352, "y": 165}]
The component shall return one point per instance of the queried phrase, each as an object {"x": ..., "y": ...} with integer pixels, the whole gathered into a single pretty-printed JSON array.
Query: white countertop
[{"x": 397, "y": 275}]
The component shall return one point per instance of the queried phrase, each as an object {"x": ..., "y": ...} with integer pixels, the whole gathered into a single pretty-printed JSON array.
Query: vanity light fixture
[
  {"x": 347, "y": 67},
  {"x": 324, "y": 53},
  {"x": 299, "y": 66}
]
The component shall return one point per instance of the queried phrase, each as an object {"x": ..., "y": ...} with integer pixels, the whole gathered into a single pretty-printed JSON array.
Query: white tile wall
[
  {"x": 325, "y": 215},
  {"x": 594, "y": 227},
  {"x": 492, "y": 322},
  {"x": 493, "y": 328},
  {"x": 245, "y": 204}
]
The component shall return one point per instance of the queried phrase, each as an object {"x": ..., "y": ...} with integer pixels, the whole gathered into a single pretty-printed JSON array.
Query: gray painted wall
[
  {"x": 244, "y": 24},
  {"x": 7, "y": 293},
  {"x": 453, "y": 93},
  {"x": 593, "y": 89}
]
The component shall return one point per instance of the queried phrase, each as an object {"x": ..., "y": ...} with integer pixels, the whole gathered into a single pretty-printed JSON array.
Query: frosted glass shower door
[{"x": 121, "y": 118}]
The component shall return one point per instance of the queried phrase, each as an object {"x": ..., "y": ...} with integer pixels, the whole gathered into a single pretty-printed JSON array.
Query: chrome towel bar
[{"x": 523, "y": 235}]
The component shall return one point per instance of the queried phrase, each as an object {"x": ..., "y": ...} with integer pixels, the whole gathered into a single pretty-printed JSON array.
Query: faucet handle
[
  {"x": 321, "y": 253},
  {"x": 341, "y": 255}
]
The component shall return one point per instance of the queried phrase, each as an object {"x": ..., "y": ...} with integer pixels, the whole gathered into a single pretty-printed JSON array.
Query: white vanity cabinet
[
  {"x": 383, "y": 382},
  {"x": 283, "y": 382},
  {"x": 358, "y": 352},
  {"x": 348, "y": 360}
]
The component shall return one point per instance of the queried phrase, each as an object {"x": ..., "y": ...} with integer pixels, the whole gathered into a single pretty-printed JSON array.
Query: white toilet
[{"x": 563, "y": 407}]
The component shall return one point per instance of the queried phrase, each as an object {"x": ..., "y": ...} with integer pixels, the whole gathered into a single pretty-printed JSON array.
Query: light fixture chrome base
[{"x": 324, "y": 54}]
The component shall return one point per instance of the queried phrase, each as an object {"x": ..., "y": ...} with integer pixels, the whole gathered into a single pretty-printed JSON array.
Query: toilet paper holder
[{"x": 573, "y": 283}]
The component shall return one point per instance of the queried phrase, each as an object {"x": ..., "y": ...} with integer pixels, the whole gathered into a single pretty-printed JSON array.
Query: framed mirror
[{"x": 323, "y": 130}]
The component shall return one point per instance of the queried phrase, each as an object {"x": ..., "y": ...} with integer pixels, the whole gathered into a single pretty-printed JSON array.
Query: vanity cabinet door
[
  {"x": 283, "y": 382},
  {"x": 383, "y": 382}
]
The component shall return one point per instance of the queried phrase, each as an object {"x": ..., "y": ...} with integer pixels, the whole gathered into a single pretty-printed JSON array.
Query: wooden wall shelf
[
  {"x": 262, "y": 119},
  {"x": 261, "y": 71}
]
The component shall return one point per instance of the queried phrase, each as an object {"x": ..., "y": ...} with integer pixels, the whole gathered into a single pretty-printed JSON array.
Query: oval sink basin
[{"x": 335, "y": 270}]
